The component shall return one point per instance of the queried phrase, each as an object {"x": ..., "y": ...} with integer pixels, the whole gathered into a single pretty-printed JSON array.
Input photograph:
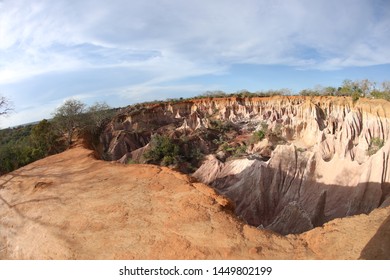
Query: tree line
[
  {"x": 22, "y": 145},
  {"x": 355, "y": 89}
]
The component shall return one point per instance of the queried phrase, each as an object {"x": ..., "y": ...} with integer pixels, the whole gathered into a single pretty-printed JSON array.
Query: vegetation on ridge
[
  {"x": 22, "y": 145},
  {"x": 74, "y": 117},
  {"x": 354, "y": 89}
]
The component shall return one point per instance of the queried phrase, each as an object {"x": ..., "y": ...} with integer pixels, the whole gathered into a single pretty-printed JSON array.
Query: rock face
[
  {"x": 72, "y": 206},
  {"x": 332, "y": 162},
  {"x": 325, "y": 171}
]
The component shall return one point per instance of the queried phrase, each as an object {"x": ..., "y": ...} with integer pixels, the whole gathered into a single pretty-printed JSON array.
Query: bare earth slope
[{"x": 72, "y": 206}]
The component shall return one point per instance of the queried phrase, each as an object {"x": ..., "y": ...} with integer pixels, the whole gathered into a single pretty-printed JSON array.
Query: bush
[
  {"x": 257, "y": 136},
  {"x": 376, "y": 144},
  {"x": 168, "y": 160},
  {"x": 22, "y": 145},
  {"x": 45, "y": 140},
  {"x": 235, "y": 150},
  {"x": 240, "y": 150},
  {"x": 221, "y": 126},
  {"x": 183, "y": 153},
  {"x": 355, "y": 97},
  {"x": 162, "y": 150}
]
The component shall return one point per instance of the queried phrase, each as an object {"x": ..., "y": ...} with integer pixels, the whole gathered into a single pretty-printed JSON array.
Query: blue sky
[{"x": 128, "y": 51}]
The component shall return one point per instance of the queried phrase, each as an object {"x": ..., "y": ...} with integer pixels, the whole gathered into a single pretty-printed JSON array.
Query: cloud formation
[
  {"x": 169, "y": 40},
  {"x": 41, "y": 36}
]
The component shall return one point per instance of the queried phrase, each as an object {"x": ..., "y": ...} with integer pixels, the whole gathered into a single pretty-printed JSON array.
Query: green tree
[
  {"x": 44, "y": 139},
  {"x": 74, "y": 117},
  {"x": 386, "y": 86},
  {"x": 308, "y": 92},
  {"x": 365, "y": 87},
  {"x": 383, "y": 92},
  {"x": 97, "y": 115},
  {"x": 15, "y": 148},
  {"x": 94, "y": 121},
  {"x": 68, "y": 118},
  {"x": 351, "y": 88},
  {"x": 329, "y": 91}
]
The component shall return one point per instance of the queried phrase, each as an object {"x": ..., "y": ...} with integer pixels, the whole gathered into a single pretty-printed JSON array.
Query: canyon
[
  {"x": 282, "y": 177},
  {"x": 321, "y": 158}
]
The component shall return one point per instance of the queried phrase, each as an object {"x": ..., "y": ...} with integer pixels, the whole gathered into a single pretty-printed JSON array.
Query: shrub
[
  {"x": 240, "y": 150},
  {"x": 22, "y": 145},
  {"x": 276, "y": 135},
  {"x": 355, "y": 97},
  {"x": 234, "y": 151},
  {"x": 221, "y": 126},
  {"x": 376, "y": 144},
  {"x": 257, "y": 136},
  {"x": 196, "y": 155},
  {"x": 163, "y": 150},
  {"x": 168, "y": 160}
]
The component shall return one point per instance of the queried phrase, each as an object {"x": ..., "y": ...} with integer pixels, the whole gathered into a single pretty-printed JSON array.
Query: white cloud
[
  {"x": 163, "y": 41},
  {"x": 52, "y": 35}
]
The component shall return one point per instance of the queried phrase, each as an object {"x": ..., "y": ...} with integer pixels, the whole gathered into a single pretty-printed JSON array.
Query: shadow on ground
[{"x": 378, "y": 248}]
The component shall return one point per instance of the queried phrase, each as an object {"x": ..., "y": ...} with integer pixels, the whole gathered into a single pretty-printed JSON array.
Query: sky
[{"x": 127, "y": 51}]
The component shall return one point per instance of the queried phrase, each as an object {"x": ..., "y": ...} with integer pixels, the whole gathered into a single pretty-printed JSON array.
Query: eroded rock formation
[{"x": 325, "y": 158}]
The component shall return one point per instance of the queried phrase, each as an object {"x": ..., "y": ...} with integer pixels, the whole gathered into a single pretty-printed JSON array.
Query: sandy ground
[{"x": 72, "y": 206}]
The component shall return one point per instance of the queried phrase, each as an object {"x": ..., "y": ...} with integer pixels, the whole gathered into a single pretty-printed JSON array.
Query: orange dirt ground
[{"x": 72, "y": 206}]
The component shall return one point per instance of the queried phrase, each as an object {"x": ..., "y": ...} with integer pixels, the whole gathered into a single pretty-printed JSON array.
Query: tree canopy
[
  {"x": 74, "y": 116},
  {"x": 27, "y": 143},
  {"x": 68, "y": 118}
]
